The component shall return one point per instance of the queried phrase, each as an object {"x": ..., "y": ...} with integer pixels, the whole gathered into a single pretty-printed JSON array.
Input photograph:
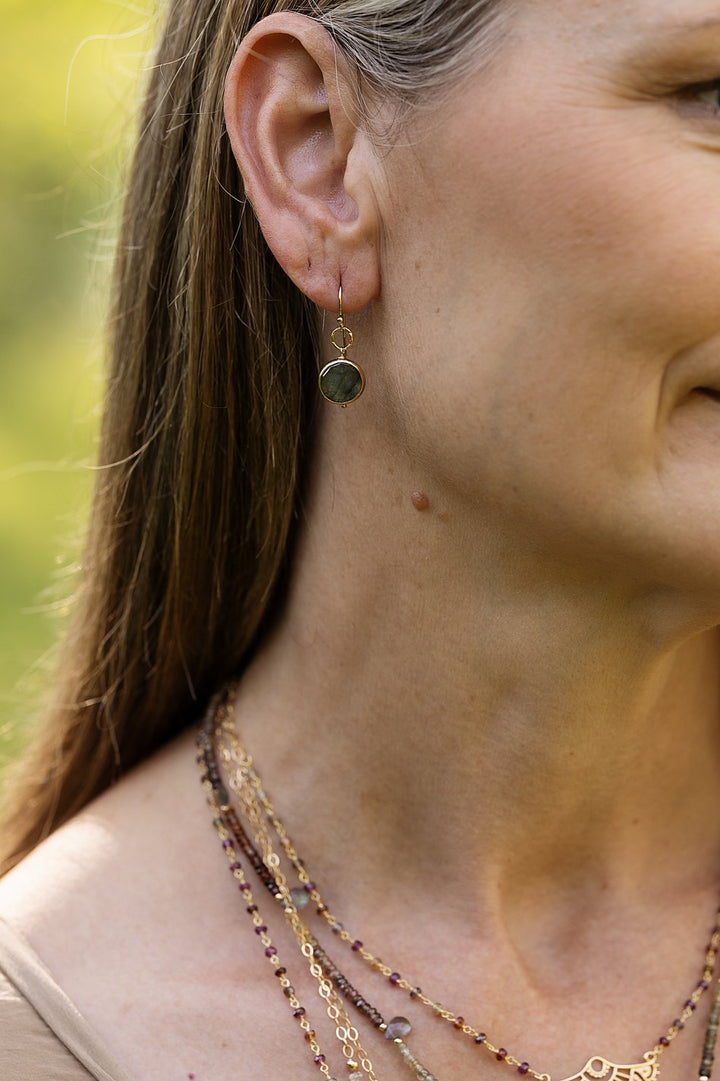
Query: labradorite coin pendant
[{"x": 341, "y": 382}]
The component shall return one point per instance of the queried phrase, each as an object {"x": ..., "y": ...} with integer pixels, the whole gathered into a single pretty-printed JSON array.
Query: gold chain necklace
[{"x": 259, "y": 810}]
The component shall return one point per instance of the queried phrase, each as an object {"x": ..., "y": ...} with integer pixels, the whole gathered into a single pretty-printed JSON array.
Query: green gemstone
[
  {"x": 341, "y": 382},
  {"x": 300, "y": 897}
]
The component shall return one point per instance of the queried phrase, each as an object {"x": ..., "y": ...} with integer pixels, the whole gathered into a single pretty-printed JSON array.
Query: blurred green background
[{"x": 69, "y": 75}]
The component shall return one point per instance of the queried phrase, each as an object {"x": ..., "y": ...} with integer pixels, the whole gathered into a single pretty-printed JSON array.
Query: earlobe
[{"x": 306, "y": 166}]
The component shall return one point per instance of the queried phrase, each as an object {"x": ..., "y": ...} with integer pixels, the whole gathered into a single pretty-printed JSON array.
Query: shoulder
[
  {"x": 115, "y": 872},
  {"x": 112, "y": 866},
  {"x": 121, "y": 907}
]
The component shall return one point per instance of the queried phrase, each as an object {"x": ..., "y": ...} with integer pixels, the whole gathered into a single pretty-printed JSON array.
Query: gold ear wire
[{"x": 341, "y": 381}]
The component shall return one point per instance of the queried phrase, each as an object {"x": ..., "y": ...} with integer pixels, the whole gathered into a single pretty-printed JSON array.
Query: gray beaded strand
[
  {"x": 708, "y": 1055},
  {"x": 414, "y": 1064}
]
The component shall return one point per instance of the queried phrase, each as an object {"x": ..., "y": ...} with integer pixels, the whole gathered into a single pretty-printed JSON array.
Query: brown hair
[{"x": 213, "y": 364}]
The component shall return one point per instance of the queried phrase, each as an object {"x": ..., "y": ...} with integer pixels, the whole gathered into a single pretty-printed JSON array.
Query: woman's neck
[{"x": 435, "y": 693}]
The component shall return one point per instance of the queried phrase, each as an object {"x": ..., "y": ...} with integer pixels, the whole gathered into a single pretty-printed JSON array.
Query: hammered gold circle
[{"x": 346, "y": 338}]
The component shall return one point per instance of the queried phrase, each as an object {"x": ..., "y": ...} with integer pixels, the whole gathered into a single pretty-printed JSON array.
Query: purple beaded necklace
[{"x": 219, "y": 732}]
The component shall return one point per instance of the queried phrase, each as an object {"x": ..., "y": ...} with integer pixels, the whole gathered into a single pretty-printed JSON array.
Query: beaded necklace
[{"x": 219, "y": 731}]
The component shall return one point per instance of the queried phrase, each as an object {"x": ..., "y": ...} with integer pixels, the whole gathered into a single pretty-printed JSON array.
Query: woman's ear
[{"x": 307, "y": 168}]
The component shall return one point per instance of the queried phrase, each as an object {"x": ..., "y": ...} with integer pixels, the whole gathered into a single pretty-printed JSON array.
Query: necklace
[
  {"x": 249, "y": 787},
  {"x": 257, "y": 808}
]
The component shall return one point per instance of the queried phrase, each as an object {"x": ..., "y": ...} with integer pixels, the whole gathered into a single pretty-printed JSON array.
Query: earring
[{"x": 341, "y": 381}]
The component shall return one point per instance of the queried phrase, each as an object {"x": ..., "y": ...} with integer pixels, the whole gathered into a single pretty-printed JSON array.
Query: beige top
[{"x": 43, "y": 1036}]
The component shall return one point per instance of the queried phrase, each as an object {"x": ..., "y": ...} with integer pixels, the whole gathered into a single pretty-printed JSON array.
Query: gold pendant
[{"x": 599, "y": 1069}]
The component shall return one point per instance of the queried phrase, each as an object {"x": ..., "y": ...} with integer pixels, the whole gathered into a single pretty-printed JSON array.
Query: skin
[{"x": 491, "y": 725}]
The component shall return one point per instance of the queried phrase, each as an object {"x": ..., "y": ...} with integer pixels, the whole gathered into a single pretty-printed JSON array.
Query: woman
[{"x": 474, "y": 612}]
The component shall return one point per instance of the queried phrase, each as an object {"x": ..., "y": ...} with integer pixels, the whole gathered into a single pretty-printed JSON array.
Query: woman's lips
[{"x": 709, "y": 392}]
